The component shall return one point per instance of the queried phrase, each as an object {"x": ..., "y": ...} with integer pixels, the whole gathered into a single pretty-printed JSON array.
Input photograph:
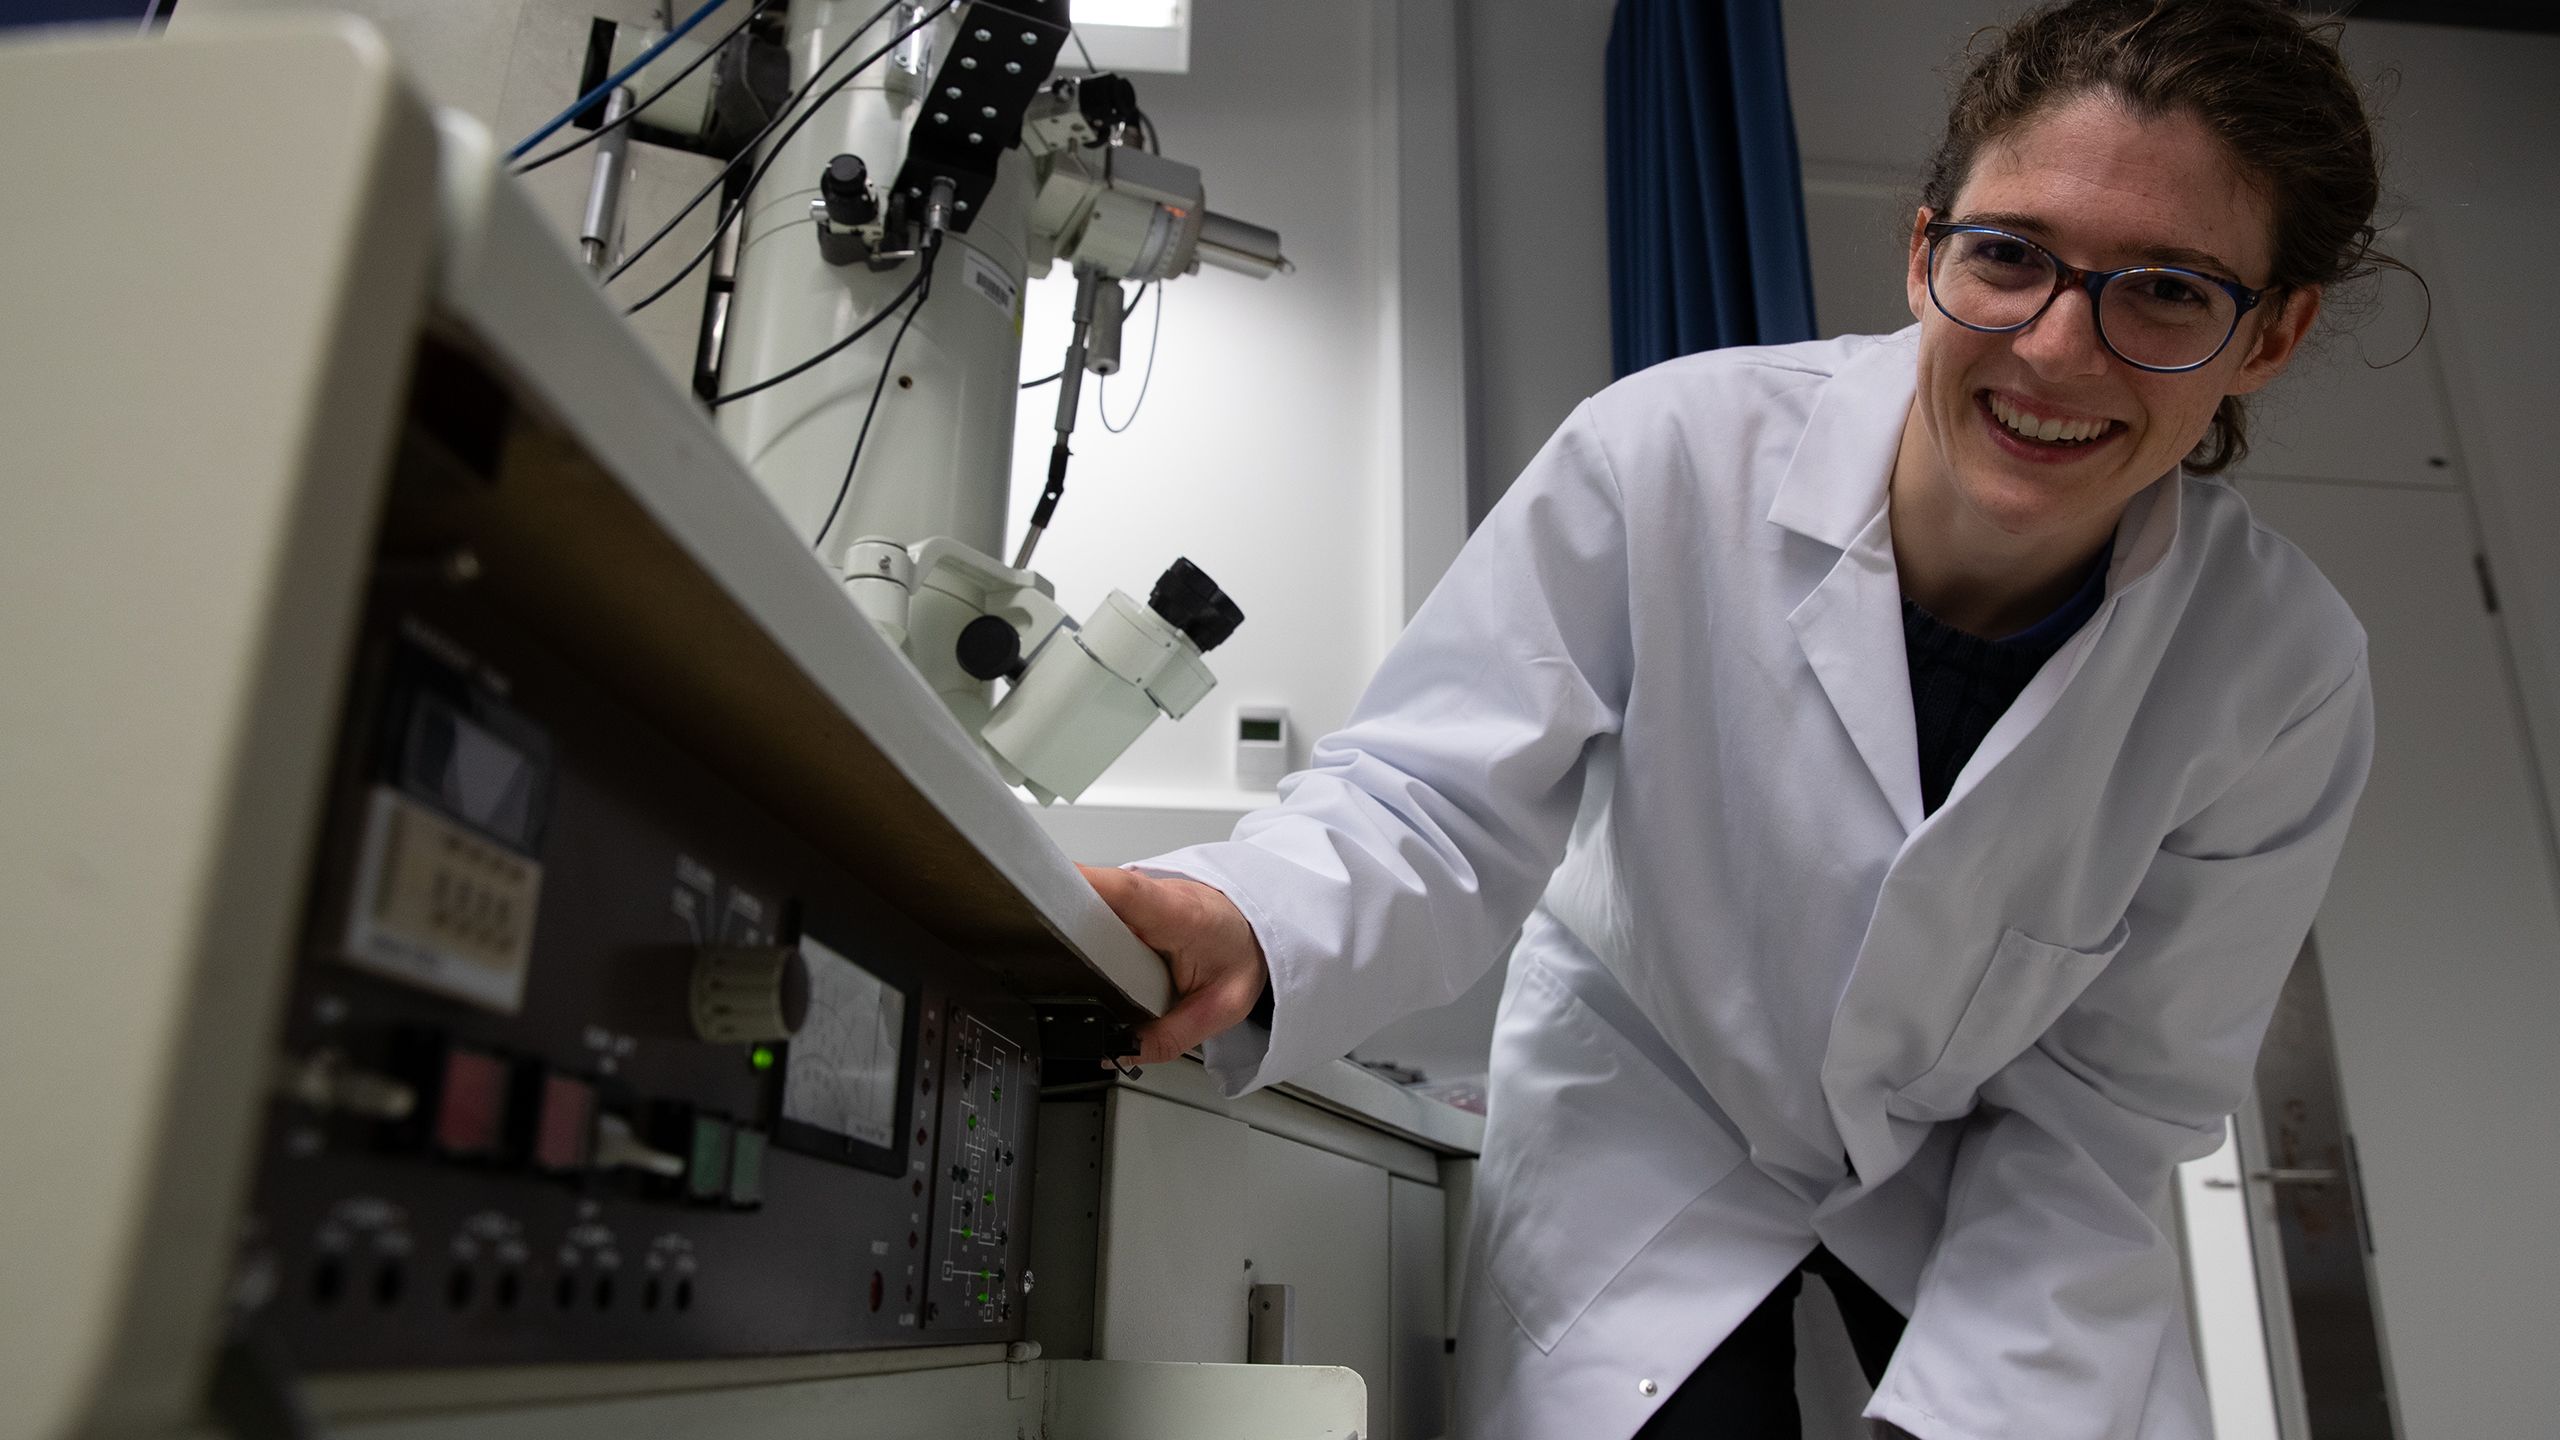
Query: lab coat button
[{"x": 1646, "y": 1388}]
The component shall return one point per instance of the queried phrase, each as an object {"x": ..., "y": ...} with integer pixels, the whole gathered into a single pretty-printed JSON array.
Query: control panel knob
[
  {"x": 619, "y": 1148},
  {"x": 742, "y": 994}
]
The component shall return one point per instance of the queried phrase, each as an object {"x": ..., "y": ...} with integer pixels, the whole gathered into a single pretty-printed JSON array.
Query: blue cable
[{"x": 615, "y": 79}]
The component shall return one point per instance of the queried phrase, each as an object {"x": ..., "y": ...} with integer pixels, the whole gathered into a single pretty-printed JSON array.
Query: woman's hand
[{"x": 1208, "y": 947}]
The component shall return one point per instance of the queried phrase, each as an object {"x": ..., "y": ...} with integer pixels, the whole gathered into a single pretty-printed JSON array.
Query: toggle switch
[
  {"x": 618, "y": 1148},
  {"x": 326, "y": 1081}
]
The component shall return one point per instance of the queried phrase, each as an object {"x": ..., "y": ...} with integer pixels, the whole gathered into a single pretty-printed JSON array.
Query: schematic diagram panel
[{"x": 990, "y": 1104}]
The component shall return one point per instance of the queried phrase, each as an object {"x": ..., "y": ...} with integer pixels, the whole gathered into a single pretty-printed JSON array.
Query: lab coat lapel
[
  {"x": 2143, "y": 538},
  {"x": 1851, "y": 631},
  {"x": 1850, "y": 626}
]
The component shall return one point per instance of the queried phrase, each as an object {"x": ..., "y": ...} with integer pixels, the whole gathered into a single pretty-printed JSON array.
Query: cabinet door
[
  {"x": 1318, "y": 1223},
  {"x": 1418, "y": 1249},
  {"x": 2440, "y": 945},
  {"x": 1170, "y": 1278}
]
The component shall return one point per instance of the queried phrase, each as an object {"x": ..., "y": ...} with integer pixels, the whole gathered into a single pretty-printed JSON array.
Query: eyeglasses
[{"x": 2152, "y": 317}]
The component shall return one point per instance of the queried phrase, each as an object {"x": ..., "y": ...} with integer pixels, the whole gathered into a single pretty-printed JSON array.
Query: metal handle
[
  {"x": 1271, "y": 1325},
  {"x": 2296, "y": 1177}
]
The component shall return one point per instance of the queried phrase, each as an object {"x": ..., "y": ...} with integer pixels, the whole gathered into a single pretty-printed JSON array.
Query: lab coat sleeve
[
  {"x": 2054, "y": 1293},
  {"x": 1397, "y": 866}
]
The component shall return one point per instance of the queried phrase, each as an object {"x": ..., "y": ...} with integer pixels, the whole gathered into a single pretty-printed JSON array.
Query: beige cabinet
[{"x": 1207, "y": 1211}]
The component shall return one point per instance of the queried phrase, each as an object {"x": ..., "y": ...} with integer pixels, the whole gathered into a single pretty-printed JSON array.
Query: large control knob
[{"x": 742, "y": 994}]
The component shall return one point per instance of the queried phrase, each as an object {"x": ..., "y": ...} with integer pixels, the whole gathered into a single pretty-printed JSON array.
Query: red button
[
  {"x": 567, "y": 1127},
  {"x": 471, "y": 1103}
]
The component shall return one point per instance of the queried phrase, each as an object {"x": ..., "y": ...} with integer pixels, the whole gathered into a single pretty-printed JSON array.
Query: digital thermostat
[{"x": 1262, "y": 746}]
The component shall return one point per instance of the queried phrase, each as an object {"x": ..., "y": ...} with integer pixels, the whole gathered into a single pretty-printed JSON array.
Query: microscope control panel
[{"x": 588, "y": 1059}]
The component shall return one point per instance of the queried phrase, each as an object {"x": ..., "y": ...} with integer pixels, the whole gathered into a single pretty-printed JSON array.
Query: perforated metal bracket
[{"x": 973, "y": 111}]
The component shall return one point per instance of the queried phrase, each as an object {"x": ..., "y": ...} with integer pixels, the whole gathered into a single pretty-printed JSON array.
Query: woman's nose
[{"x": 2063, "y": 342}]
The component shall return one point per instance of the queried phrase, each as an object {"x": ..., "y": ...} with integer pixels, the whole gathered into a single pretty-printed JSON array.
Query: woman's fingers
[
  {"x": 1140, "y": 902},
  {"x": 1198, "y": 1015},
  {"x": 1210, "y": 950}
]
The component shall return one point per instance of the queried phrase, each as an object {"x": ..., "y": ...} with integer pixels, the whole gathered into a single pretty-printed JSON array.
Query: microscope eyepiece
[{"x": 1192, "y": 603}]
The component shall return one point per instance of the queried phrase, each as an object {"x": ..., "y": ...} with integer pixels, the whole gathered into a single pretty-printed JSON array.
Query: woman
[{"x": 1943, "y": 779}]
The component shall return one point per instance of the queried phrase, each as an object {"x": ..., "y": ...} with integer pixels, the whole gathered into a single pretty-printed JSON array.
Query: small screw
[
  {"x": 1646, "y": 1387},
  {"x": 977, "y": 139},
  {"x": 953, "y": 92},
  {"x": 941, "y": 117},
  {"x": 1029, "y": 38},
  {"x": 962, "y": 204},
  {"x": 987, "y": 112},
  {"x": 986, "y": 35},
  {"x": 1013, "y": 67},
  {"x": 968, "y": 62}
]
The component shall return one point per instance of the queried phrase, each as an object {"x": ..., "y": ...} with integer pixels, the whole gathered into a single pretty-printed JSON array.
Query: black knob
[
  {"x": 846, "y": 187},
  {"x": 1192, "y": 603},
  {"x": 1107, "y": 100},
  {"x": 989, "y": 649}
]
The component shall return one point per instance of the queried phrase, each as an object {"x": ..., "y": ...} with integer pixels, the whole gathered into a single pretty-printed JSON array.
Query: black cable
[
  {"x": 1076, "y": 36},
  {"x": 655, "y": 96},
  {"x": 748, "y": 149},
  {"x": 1051, "y": 378},
  {"x": 1155, "y": 335},
  {"x": 865, "y": 328},
  {"x": 888, "y": 362},
  {"x": 773, "y": 153}
]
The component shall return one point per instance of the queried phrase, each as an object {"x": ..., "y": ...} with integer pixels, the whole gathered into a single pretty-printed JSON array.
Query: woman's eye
[
  {"x": 2171, "y": 290},
  {"x": 2003, "y": 252}
]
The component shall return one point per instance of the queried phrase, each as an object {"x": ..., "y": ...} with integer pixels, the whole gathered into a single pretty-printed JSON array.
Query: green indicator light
[
  {"x": 983, "y": 1297},
  {"x": 991, "y": 1197},
  {"x": 761, "y": 1057},
  {"x": 973, "y": 1122},
  {"x": 966, "y": 1232},
  {"x": 997, "y": 1092}
]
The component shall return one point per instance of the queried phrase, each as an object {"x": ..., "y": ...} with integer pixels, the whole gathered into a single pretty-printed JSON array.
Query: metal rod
[{"x": 602, "y": 228}]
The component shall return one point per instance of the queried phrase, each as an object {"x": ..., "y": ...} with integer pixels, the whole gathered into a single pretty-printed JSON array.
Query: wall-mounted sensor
[{"x": 1262, "y": 746}]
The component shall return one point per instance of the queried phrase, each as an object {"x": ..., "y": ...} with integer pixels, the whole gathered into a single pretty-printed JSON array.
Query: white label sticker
[{"x": 988, "y": 278}]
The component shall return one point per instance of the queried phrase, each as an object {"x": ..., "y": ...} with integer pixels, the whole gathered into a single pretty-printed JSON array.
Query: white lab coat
[{"x": 1764, "y": 1002}]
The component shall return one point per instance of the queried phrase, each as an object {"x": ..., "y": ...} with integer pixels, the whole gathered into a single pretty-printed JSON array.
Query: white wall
[
  {"x": 1264, "y": 449},
  {"x": 1537, "y": 223}
]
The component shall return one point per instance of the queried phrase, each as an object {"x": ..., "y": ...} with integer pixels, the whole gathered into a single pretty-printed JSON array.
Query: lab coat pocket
[
  {"x": 2029, "y": 984},
  {"x": 1593, "y": 1151}
]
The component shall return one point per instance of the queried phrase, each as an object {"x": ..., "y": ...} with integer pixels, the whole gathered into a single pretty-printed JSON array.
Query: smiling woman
[{"x": 1914, "y": 775}]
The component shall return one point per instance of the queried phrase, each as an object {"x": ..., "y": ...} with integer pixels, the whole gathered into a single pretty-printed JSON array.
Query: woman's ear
[
  {"x": 1916, "y": 280},
  {"x": 2277, "y": 338}
]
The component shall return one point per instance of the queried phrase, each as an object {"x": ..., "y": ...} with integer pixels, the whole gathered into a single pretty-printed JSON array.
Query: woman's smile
[{"x": 2041, "y": 432}]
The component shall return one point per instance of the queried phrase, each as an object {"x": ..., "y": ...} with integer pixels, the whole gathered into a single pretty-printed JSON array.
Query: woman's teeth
[{"x": 2068, "y": 432}]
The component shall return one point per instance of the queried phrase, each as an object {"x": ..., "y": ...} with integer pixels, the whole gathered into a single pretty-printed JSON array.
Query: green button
[
  {"x": 746, "y": 1169},
  {"x": 973, "y": 1122},
  {"x": 707, "y": 1173}
]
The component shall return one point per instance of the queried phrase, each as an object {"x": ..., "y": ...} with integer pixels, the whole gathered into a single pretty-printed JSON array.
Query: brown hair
[{"x": 2272, "y": 89}]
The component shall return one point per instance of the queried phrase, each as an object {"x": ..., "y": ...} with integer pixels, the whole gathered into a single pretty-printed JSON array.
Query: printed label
[{"x": 988, "y": 278}]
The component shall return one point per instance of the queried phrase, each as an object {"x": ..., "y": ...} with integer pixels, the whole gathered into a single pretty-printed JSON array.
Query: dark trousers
[{"x": 1746, "y": 1390}]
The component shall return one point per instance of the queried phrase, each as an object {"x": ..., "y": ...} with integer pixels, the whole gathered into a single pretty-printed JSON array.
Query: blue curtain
[{"x": 1706, "y": 212}]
